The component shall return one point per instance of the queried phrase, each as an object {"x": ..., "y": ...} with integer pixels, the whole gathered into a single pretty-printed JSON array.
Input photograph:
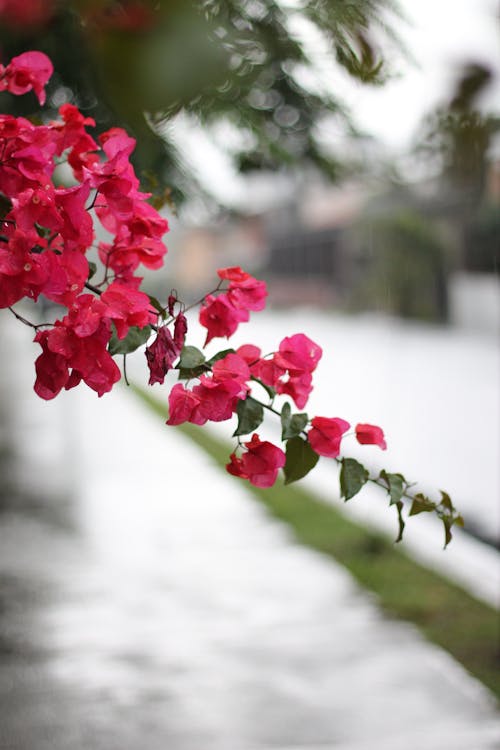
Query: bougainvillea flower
[
  {"x": 249, "y": 294},
  {"x": 95, "y": 366},
  {"x": 78, "y": 345},
  {"x": 52, "y": 371},
  {"x": 71, "y": 134},
  {"x": 268, "y": 371},
  {"x": 30, "y": 159},
  {"x": 85, "y": 315},
  {"x": 180, "y": 330},
  {"x": 161, "y": 355},
  {"x": 123, "y": 257},
  {"x": 117, "y": 146},
  {"x": 183, "y": 405},
  {"x": 28, "y": 71},
  {"x": 297, "y": 387},
  {"x": 73, "y": 125},
  {"x": 77, "y": 222},
  {"x": 220, "y": 317},
  {"x": 68, "y": 272},
  {"x": 146, "y": 221},
  {"x": 22, "y": 273},
  {"x": 259, "y": 464},
  {"x": 295, "y": 383},
  {"x": 325, "y": 435},
  {"x": 27, "y": 155},
  {"x": 218, "y": 398},
  {"x": 370, "y": 434},
  {"x": 244, "y": 291},
  {"x": 36, "y": 206},
  {"x": 75, "y": 349},
  {"x": 231, "y": 367},
  {"x": 233, "y": 273},
  {"x": 250, "y": 353},
  {"x": 126, "y": 307},
  {"x": 298, "y": 353}
]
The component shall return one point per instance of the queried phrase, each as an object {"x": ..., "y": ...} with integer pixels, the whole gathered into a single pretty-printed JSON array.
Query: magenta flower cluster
[{"x": 47, "y": 231}]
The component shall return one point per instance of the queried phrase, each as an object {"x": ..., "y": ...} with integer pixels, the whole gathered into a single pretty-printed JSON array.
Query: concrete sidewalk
[{"x": 166, "y": 610}]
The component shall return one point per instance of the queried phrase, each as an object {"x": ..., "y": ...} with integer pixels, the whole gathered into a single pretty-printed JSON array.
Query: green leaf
[
  {"x": 395, "y": 485},
  {"x": 449, "y": 516},
  {"x": 300, "y": 459},
  {"x": 353, "y": 476},
  {"x": 421, "y": 504},
  {"x": 401, "y": 522},
  {"x": 92, "y": 270},
  {"x": 448, "y": 536},
  {"x": 191, "y": 357},
  {"x": 286, "y": 413},
  {"x": 250, "y": 415},
  {"x": 43, "y": 232},
  {"x": 446, "y": 501},
  {"x": 219, "y": 355},
  {"x": 291, "y": 424},
  {"x": 186, "y": 373},
  {"x": 448, "y": 522},
  {"x": 158, "y": 306},
  {"x": 135, "y": 338},
  {"x": 191, "y": 363},
  {"x": 5, "y": 206}
]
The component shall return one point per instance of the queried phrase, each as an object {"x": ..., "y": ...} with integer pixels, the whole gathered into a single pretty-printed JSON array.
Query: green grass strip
[{"x": 446, "y": 614}]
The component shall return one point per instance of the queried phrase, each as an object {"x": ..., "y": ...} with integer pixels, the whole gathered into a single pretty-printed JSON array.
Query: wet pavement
[{"x": 146, "y": 600}]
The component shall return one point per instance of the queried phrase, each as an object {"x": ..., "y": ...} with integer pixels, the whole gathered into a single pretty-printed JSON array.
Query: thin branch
[
  {"x": 27, "y": 322},
  {"x": 93, "y": 288},
  {"x": 198, "y": 302}
]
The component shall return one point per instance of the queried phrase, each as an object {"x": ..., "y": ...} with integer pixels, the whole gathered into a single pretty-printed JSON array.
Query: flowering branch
[
  {"x": 46, "y": 232},
  {"x": 306, "y": 440}
]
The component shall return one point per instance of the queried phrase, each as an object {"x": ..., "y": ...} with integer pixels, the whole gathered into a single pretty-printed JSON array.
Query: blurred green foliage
[
  {"x": 482, "y": 239},
  {"x": 459, "y": 136},
  {"x": 406, "y": 266},
  {"x": 415, "y": 236},
  {"x": 138, "y": 63}
]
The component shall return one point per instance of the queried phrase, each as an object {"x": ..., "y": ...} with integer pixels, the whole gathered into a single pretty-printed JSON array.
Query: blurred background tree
[
  {"x": 139, "y": 63},
  {"x": 414, "y": 236},
  {"x": 458, "y": 136},
  {"x": 408, "y": 273}
]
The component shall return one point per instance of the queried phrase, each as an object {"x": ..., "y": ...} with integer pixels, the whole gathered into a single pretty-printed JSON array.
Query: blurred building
[{"x": 398, "y": 249}]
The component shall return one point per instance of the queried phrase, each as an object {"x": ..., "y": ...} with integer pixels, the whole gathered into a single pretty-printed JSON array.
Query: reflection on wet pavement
[{"x": 155, "y": 605}]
